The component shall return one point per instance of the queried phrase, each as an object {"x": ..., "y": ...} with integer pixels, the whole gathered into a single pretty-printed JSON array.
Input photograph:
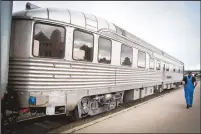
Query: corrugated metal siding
[
  {"x": 53, "y": 74},
  {"x": 137, "y": 76},
  {"x": 43, "y": 74}
]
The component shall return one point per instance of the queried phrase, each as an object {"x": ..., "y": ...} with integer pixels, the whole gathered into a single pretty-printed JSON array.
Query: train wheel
[
  {"x": 75, "y": 115},
  {"x": 112, "y": 105}
]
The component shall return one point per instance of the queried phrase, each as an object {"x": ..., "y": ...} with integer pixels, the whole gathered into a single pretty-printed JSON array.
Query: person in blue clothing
[{"x": 189, "y": 87}]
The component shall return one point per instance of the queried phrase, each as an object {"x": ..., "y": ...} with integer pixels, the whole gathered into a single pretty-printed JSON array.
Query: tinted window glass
[
  {"x": 104, "y": 50},
  {"x": 174, "y": 69},
  {"x": 49, "y": 41},
  {"x": 163, "y": 67},
  {"x": 181, "y": 70},
  {"x": 141, "y": 59},
  {"x": 158, "y": 65},
  {"x": 167, "y": 67},
  {"x": 126, "y": 55},
  {"x": 151, "y": 63},
  {"x": 83, "y": 46}
]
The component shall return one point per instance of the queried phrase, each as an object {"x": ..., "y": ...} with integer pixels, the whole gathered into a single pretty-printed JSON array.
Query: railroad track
[{"x": 58, "y": 124}]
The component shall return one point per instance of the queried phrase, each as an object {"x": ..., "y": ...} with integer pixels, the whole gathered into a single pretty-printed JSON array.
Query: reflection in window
[
  {"x": 83, "y": 46},
  {"x": 48, "y": 40},
  {"x": 151, "y": 63},
  {"x": 174, "y": 69},
  {"x": 178, "y": 69},
  {"x": 126, "y": 55},
  {"x": 141, "y": 59},
  {"x": 104, "y": 50},
  {"x": 163, "y": 67},
  {"x": 158, "y": 65},
  {"x": 167, "y": 67}
]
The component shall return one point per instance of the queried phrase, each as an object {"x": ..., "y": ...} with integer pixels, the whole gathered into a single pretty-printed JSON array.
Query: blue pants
[{"x": 189, "y": 96}]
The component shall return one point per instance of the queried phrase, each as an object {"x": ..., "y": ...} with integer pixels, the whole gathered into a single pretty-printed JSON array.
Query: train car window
[
  {"x": 151, "y": 63},
  {"x": 83, "y": 46},
  {"x": 145, "y": 90},
  {"x": 174, "y": 69},
  {"x": 141, "y": 59},
  {"x": 104, "y": 50},
  {"x": 179, "y": 69},
  {"x": 49, "y": 41},
  {"x": 163, "y": 67},
  {"x": 167, "y": 68},
  {"x": 158, "y": 65},
  {"x": 170, "y": 67},
  {"x": 126, "y": 55}
]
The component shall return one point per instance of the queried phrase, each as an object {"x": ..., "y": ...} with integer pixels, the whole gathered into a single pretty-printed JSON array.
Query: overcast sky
[{"x": 173, "y": 27}]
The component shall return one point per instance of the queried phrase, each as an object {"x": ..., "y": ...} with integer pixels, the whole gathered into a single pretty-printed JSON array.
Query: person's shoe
[{"x": 187, "y": 106}]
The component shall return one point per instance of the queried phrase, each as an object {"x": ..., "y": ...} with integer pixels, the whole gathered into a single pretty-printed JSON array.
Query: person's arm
[
  {"x": 195, "y": 82},
  {"x": 183, "y": 80}
]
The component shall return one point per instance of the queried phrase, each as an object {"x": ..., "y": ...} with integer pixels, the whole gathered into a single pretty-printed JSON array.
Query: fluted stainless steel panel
[{"x": 43, "y": 74}]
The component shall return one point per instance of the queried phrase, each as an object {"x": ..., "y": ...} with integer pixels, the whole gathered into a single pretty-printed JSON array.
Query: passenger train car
[{"x": 64, "y": 62}]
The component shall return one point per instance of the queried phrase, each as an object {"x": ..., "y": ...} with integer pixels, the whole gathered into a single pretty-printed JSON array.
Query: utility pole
[{"x": 6, "y": 18}]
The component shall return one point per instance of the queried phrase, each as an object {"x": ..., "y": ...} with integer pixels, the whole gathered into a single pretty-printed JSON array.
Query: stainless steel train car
[{"x": 64, "y": 62}]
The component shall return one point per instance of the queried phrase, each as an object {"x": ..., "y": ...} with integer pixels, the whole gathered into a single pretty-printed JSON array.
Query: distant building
[{"x": 52, "y": 47}]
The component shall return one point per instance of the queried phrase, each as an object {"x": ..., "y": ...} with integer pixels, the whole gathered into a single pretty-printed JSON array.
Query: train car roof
[{"x": 87, "y": 21}]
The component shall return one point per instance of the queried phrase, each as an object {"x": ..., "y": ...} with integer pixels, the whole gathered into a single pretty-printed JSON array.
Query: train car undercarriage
[{"x": 87, "y": 106}]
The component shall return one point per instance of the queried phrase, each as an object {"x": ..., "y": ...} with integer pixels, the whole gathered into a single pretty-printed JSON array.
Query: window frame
[
  {"x": 153, "y": 64},
  {"x": 167, "y": 69},
  {"x": 138, "y": 58},
  {"x": 157, "y": 61},
  {"x": 164, "y": 67},
  {"x": 99, "y": 49},
  {"x": 121, "y": 55},
  {"x": 51, "y": 24},
  {"x": 174, "y": 68},
  {"x": 84, "y": 31},
  {"x": 181, "y": 70}
]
